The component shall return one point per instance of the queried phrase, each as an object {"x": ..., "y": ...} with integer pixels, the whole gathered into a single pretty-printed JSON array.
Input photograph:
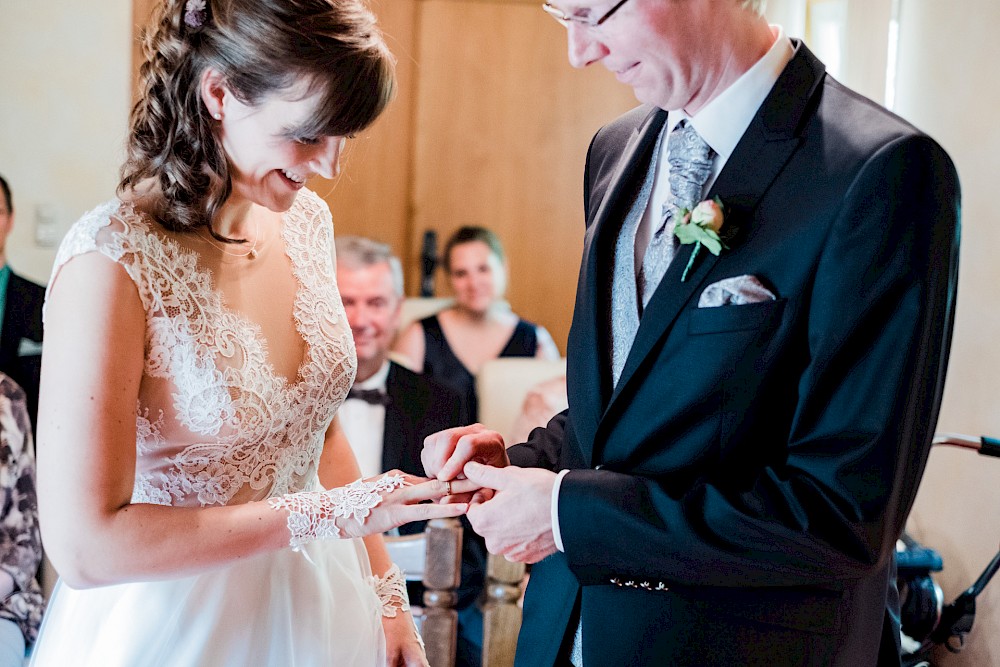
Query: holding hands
[
  {"x": 446, "y": 452},
  {"x": 512, "y": 511}
]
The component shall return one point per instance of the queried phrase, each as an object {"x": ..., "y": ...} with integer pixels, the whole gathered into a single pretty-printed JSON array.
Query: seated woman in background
[
  {"x": 452, "y": 345},
  {"x": 21, "y": 601}
]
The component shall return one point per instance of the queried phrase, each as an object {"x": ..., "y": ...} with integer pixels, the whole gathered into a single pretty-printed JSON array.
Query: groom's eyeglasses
[{"x": 590, "y": 22}]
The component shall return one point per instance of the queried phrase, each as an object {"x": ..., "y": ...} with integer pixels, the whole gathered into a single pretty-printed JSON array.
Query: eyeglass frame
[{"x": 565, "y": 19}]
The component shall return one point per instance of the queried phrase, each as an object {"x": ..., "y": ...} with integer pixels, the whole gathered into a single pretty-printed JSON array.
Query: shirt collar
[
  {"x": 722, "y": 122},
  {"x": 376, "y": 381}
]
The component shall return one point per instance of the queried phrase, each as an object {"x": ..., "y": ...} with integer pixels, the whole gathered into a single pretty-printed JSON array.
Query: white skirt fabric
[{"x": 277, "y": 609}]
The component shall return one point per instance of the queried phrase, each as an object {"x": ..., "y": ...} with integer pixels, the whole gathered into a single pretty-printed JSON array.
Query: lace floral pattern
[
  {"x": 225, "y": 421},
  {"x": 391, "y": 591},
  {"x": 313, "y": 515}
]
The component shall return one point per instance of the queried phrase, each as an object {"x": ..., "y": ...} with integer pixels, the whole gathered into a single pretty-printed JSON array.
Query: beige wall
[
  {"x": 64, "y": 100},
  {"x": 946, "y": 85}
]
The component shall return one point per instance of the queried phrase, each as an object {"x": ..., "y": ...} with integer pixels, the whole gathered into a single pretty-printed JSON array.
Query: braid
[{"x": 171, "y": 138}]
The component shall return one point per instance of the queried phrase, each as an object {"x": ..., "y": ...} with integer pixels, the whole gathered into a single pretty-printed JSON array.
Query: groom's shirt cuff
[{"x": 556, "y": 535}]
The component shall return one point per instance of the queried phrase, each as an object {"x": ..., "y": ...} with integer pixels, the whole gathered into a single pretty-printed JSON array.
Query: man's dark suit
[
  {"x": 22, "y": 321},
  {"x": 417, "y": 408},
  {"x": 757, "y": 461}
]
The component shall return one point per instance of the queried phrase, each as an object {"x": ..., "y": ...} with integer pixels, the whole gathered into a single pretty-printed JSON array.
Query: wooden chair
[
  {"x": 502, "y": 612},
  {"x": 434, "y": 557}
]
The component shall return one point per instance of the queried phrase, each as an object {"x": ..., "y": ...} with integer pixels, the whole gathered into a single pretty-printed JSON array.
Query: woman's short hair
[
  {"x": 260, "y": 47},
  {"x": 469, "y": 234}
]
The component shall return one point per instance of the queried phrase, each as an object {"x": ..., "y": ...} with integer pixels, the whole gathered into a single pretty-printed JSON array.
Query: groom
[{"x": 746, "y": 431}]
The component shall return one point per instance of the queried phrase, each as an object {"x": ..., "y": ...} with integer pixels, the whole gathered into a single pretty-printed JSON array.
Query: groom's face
[{"x": 666, "y": 50}]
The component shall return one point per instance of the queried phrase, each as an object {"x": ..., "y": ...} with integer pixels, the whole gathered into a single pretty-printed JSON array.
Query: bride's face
[{"x": 270, "y": 156}]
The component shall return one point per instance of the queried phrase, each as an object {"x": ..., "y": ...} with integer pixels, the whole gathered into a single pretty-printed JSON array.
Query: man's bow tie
[{"x": 372, "y": 396}]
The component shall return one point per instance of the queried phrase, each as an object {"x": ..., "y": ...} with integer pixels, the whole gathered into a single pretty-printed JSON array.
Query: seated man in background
[
  {"x": 20, "y": 316},
  {"x": 390, "y": 409},
  {"x": 21, "y": 601}
]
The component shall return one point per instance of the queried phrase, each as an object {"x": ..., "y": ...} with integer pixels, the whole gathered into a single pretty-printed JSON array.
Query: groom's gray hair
[{"x": 755, "y": 6}]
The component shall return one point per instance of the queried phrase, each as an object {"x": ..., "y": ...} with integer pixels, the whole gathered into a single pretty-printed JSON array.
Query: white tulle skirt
[{"x": 278, "y": 609}]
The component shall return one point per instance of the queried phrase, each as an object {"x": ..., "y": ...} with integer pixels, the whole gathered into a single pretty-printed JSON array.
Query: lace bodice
[{"x": 215, "y": 423}]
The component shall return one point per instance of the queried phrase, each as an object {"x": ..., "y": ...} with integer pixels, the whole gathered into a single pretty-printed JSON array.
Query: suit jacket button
[{"x": 598, "y": 466}]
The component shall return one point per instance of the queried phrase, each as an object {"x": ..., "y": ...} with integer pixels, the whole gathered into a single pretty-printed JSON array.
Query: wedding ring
[{"x": 449, "y": 487}]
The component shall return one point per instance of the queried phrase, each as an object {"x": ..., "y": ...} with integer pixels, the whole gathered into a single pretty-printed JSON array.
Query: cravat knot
[
  {"x": 370, "y": 396},
  {"x": 690, "y": 160}
]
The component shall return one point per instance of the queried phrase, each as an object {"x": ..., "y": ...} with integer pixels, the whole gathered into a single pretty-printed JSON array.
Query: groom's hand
[
  {"x": 517, "y": 521},
  {"x": 446, "y": 452}
]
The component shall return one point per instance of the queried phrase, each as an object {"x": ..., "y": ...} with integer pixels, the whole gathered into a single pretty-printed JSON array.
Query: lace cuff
[
  {"x": 391, "y": 591},
  {"x": 312, "y": 515}
]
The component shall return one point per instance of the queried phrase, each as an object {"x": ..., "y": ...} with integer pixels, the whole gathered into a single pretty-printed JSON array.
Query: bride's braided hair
[{"x": 260, "y": 47}]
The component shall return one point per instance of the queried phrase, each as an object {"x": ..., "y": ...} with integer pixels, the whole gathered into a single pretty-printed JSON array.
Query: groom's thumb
[{"x": 484, "y": 475}]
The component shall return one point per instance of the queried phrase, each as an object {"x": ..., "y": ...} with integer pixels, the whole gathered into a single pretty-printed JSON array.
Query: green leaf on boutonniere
[{"x": 700, "y": 226}]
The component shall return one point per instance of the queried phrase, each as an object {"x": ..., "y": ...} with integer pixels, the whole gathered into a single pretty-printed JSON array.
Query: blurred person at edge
[{"x": 20, "y": 315}]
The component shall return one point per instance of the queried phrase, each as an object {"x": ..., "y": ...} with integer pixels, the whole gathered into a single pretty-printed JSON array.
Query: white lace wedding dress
[{"x": 217, "y": 423}]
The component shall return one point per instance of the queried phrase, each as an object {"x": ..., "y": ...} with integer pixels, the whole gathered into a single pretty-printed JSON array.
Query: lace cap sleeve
[{"x": 108, "y": 229}]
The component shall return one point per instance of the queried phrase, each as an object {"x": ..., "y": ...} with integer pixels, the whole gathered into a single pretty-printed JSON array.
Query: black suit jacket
[
  {"x": 418, "y": 407},
  {"x": 22, "y": 320},
  {"x": 756, "y": 461}
]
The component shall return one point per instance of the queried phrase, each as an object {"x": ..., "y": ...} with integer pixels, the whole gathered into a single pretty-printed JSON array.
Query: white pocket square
[
  {"x": 735, "y": 292},
  {"x": 29, "y": 348}
]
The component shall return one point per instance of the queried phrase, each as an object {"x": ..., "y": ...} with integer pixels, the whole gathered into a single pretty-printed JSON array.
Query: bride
[{"x": 196, "y": 353}]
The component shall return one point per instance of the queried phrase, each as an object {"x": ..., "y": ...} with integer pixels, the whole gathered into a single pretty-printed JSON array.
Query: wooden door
[{"x": 501, "y": 132}]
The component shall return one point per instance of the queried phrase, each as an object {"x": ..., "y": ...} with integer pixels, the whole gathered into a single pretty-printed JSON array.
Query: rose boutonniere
[{"x": 702, "y": 226}]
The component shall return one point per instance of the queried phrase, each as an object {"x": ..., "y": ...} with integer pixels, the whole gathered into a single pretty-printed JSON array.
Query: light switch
[{"x": 47, "y": 233}]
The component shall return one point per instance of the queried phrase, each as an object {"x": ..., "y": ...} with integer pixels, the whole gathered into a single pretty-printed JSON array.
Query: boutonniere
[{"x": 701, "y": 226}]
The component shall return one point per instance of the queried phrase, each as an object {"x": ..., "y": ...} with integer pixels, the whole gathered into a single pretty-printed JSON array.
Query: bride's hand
[
  {"x": 402, "y": 647},
  {"x": 368, "y": 506},
  {"x": 388, "y": 501},
  {"x": 400, "y": 499}
]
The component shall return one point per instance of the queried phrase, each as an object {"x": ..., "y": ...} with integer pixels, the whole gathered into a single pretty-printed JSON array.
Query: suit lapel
[
  {"x": 765, "y": 148},
  {"x": 392, "y": 431},
  {"x": 589, "y": 334},
  {"x": 12, "y": 331}
]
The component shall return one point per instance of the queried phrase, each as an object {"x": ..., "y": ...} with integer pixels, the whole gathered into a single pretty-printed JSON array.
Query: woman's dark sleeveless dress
[{"x": 441, "y": 363}]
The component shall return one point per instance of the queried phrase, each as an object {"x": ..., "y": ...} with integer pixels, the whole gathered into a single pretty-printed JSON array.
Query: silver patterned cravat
[
  {"x": 624, "y": 292},
  {"x": 690, "y": 160}
]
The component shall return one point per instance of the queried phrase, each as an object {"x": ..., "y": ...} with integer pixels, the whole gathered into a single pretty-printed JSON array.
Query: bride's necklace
[{"x": 249, "y": 254}]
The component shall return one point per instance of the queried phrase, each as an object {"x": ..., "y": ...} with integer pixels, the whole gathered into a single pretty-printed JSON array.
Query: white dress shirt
[
  {"x": 721, "y": 123},
  {"x": 364, "y": 424}
]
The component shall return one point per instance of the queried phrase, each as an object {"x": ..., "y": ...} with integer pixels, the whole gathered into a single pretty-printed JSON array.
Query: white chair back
[{"x": 502, "y": 385}]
